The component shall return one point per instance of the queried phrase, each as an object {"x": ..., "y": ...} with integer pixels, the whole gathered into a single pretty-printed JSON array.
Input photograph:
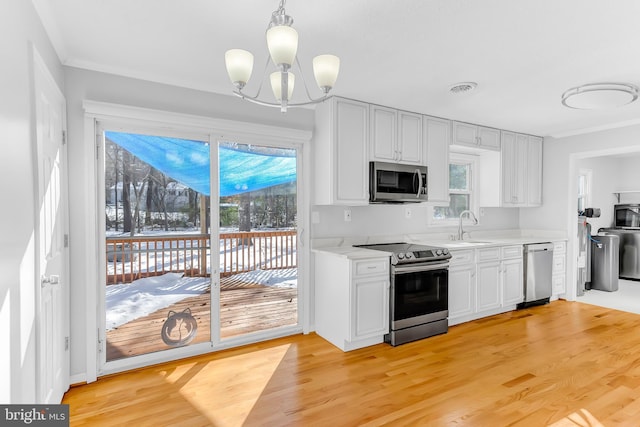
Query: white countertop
[
  {"x": 344, "y": 246},
  {"x": 352, "y": 253}
]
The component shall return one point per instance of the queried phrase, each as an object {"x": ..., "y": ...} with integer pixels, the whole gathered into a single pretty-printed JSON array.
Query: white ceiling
[{"x": 406, "y": 54}]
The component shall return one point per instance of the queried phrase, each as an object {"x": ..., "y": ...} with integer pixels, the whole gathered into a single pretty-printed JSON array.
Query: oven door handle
[{"x": 417, "y": 268}]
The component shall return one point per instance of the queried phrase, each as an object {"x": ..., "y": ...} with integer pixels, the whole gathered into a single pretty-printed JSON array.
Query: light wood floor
[{"x": 562, "y": 364}]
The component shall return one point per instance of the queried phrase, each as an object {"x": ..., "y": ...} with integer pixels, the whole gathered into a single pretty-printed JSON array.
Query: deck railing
[{"x": 131, "y": 258}]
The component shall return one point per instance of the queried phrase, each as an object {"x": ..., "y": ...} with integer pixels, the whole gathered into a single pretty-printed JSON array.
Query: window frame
[
  {"x": 460, "y": 159},
  {"x": 586, "y": 194}
]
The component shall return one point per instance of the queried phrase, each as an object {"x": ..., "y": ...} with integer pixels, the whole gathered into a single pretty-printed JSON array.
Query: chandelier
[{"x": 282, "y": 42}]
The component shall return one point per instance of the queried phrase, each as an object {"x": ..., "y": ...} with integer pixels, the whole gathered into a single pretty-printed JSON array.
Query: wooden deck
[{"x": 244, "y": 308}]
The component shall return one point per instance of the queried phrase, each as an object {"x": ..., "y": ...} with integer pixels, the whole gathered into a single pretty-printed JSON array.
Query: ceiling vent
[{"x": 463, "y": 87}]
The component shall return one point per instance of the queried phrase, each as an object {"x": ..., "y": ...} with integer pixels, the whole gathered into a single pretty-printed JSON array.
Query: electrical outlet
[
  {"x": 407, "y": 213},
  {"x": 481, "y": 211},
  {"x": 347, "y": 215}
]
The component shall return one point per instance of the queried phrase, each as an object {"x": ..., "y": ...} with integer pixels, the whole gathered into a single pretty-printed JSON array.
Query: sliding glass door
[
  {"x": 158, "y": 278},
  {"x": 192, "y": 264},
  {"x": 258, "y": 238}
]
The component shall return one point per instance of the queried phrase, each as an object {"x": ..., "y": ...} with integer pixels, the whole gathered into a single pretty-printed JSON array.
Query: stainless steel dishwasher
[{"x": 538, "y": 262}]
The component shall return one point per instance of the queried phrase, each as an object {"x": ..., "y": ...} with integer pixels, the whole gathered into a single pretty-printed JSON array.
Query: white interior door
[{"x": 52, "y": 309}]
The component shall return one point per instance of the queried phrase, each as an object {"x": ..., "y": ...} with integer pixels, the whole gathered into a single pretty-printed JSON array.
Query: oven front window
[{"x": 419, "y": 293}]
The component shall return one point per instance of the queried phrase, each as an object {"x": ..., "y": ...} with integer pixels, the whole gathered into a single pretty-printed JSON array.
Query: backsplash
[{"x": 385, "y": 220}]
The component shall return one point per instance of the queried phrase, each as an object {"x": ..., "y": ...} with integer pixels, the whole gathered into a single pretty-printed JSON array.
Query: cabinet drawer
[
  {"x": 461, "y": 257},
  {"x": 559, "y": 247},
  {"x": 558, "y": 265},
  {"x": 509, "y": 252},
  {"x": 488, "y": 254},
  {"x": 558, "y": 284},
  {"x": 373, "y": 266}
]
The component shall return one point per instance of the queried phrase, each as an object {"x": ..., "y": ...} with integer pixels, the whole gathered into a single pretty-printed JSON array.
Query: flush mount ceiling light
[
  {"x": 600, "y": 96},
  {"x": 282, "y": 42},
  {"x": 463, "y": 87}
]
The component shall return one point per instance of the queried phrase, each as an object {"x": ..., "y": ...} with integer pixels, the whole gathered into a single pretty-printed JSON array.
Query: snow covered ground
[{"x": 126, "y": 302}]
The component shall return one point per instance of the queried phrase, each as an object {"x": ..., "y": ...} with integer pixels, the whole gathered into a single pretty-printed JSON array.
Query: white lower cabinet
[
  {"x": 462, "y": 290},
  {"x": 351, "y": 300},
  {"x": 512, "y": 281},
  {"x": 558, "y": 269},
  {"x": 512, "y": 275},
  {"x": 483, "y": 282},
  {"x": 488, "y": 284},
  {"x": 370, "y": 296}
]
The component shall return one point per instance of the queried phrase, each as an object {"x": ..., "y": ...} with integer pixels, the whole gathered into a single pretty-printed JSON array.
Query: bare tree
[{"x": 127, "y": 225}]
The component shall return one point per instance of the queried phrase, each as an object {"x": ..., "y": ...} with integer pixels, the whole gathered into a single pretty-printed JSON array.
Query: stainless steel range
[{"x": 418, "y": 298}]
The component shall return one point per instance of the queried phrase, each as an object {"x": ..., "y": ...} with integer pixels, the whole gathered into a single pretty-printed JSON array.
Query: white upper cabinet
[
  {"x": 341, "y": 142},
  {"x": 437, "y": 136},
  {"x": 396, "y": 136},
  {"x": 348, "y": 134},
  {"x": 476, "y": 136},
  {"x": 410, "y": 138},
  {"x": 464, "y": 134},
  {"x": 489, "y": 138},
  {"x": 384, "y": 134},
  {"x": 534, "y": 171},
  {"x": 513, "y": 170},
  {"x": 521, "y": 170}
]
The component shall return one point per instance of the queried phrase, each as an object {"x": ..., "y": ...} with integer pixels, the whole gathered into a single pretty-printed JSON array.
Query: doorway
[
  {"x": 52, "y": 238},
  {"x": 597, "y": 176}
]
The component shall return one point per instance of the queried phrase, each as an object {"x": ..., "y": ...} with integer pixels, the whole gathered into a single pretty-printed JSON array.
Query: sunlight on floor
[
  {"x": 582, "y": 418},
  {"x": 239, "y": 382}
]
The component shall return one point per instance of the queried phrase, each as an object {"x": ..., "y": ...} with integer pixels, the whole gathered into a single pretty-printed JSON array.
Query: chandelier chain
[{"x": 280, "y": 10}]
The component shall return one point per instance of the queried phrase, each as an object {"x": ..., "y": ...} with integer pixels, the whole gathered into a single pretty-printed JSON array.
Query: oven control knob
[
  {"x": 408, "y": 255},
  {"x": 400, "y": 255},
  {"x": 438, "y": 252},
  {"x": 445, "y": 251}
]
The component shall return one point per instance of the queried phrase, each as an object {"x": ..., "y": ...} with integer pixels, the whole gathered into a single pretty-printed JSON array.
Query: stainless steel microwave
[
  {"x": 627, "y": 216},
  {"x": 396, "y": 183}
]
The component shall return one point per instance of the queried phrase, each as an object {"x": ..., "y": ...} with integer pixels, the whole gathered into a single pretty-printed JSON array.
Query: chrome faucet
[{"x": 472, "y": 216}]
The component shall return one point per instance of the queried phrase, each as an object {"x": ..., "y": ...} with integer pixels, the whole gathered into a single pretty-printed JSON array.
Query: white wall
[
  {"x": 19, "y": 26},
  {"x": 629, "y": 178},
  {"x": 88, "y": 85},
  {"x": 389, "y": 220},
  {"x": 561, "y": 157}
]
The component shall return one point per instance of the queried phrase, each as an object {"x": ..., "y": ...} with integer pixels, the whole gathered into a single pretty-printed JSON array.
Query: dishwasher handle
[{"x": 538, "y": 247}]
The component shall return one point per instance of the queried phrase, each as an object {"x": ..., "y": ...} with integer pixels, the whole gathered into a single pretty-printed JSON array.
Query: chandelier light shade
[
  {"x": 600, "y": 96},
  {"x": 282, "y": 43},
  {"x": 278, "y": 81},
  {"x": 239, "y": 66},
  {"x": 325, "y": 70}
]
